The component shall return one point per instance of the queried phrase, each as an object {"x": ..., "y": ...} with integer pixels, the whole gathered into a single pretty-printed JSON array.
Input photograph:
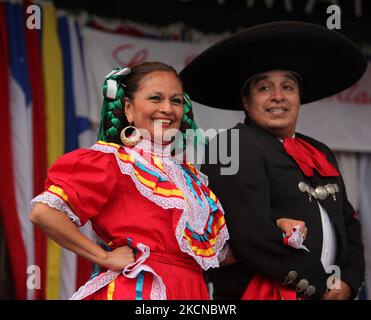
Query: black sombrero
[{"x": 327, "y": 61}]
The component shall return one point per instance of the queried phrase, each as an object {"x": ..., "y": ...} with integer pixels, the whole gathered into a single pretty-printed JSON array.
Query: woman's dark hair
[
  {"x": 133, "y": 80},
  {"x": 113, "y": 117}
]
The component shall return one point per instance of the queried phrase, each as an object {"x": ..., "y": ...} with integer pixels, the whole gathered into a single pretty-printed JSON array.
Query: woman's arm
[{"x": 63, "y": 231}]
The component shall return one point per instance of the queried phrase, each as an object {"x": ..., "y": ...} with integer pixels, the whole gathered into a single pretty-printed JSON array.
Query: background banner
[{"x": 341, "y": 121}]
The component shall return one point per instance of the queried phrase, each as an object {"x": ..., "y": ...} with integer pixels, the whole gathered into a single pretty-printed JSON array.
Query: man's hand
[{"x": 343, "y": 293}]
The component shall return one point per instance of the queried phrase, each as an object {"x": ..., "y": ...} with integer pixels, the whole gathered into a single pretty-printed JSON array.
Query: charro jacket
[{"x": 265, "y": 189}]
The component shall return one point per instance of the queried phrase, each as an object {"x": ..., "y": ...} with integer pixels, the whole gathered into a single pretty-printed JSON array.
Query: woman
[{"x": 137, "y": 196}]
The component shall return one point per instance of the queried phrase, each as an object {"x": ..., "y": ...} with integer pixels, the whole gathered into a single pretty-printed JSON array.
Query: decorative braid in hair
[
  {"x": 188, "y": 122},
  {"x": 112, "y": 114}
]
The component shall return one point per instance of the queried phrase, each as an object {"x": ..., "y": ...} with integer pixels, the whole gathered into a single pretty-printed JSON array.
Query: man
[{"x": 272, "y": 69}]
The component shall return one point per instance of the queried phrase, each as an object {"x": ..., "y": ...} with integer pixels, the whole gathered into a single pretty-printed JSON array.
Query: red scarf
[{"x": 308, "y": 158}]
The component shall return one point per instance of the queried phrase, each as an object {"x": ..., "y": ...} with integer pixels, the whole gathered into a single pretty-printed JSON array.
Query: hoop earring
[{"x": 130, "y": 141}]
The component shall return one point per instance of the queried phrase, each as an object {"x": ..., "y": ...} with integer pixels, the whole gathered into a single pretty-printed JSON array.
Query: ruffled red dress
[{"x": 143, "y": 197}]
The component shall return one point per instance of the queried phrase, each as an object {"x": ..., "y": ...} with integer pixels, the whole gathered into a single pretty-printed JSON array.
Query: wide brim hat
[{"x": 327, "y": 61}]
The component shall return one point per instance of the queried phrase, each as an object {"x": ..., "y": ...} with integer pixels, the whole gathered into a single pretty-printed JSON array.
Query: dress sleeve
[{"x": 80, "y": 183}]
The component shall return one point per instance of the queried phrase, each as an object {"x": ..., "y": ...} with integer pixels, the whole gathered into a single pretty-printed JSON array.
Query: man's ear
[
  {"x": 128, "y": 109},
  {"x": 245, "y": 101}
]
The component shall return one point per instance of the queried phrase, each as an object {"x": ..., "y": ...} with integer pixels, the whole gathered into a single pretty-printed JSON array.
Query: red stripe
[
  {"x": 84, "y": 268},
  {"x": 39, "y": 140},
  {"x": 8, "y": 208}
]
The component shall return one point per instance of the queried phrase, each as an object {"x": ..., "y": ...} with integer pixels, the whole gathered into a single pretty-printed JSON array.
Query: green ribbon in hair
[
  {"x": 113, "y": 95},
  {"x": 188, "y": 122}
]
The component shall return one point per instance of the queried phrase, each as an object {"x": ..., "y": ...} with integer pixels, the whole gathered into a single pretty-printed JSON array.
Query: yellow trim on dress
[
  {"x": 210, "y": 251},
  {"x": 111, "y": 144},
  {"x": 162, "y": 191},
  {"x": 111, "y": 290},
  {"x": 59, "y": 191}
]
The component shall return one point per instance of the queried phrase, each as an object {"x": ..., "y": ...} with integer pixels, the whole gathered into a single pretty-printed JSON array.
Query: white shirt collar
[{"x": 293, "y": 136}]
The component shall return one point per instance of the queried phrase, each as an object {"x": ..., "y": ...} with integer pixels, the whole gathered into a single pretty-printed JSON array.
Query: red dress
[{"x": 142, "y": 197}]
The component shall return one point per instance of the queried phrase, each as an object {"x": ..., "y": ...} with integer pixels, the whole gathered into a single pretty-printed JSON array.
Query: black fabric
[
  {"x": 7, "y": 290},
  {"x": 266, "y": 189},
  {"x": 327, "y": 61}
]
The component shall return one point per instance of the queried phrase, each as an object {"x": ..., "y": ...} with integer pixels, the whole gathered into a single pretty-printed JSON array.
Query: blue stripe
[
  {"x": 39, "y": 31},
  {"x": 96, "y": 268},
  {"x": 17, "y": 48},
  {"x": 83, "y": 124},
  {"x": 204, "y": 236},
  {"x": 153, "y": 173},
  {"x": 130, "y": 244},
  {"x": 210, "y": 223},
  {"x": 140, "y": 276},
  {"x": 139, "y": 286},
  {"x": 187, "y": 176},
  {"x": 70, "y": 123},
  {"x": 24, "y": 77},
  {"x": 199, "y": 237},
  {"x": 190, "y": 186},
  {"x": 81, "y": 46},
  {"x": 212, "y": 204}
]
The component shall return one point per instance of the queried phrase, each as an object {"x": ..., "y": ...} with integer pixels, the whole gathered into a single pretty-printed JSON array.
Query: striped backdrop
[{"x": 46, "y": 118}]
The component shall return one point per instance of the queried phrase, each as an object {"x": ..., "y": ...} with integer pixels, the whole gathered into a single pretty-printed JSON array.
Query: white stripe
[
  {"x": 22, "y": 145},
  {"x": 68, "y": 274},
  {"x": 69, "y": 262},
  {"x": 88, "y": 137},
  {"x": 348, "y": 167},
  {"x": 365, "y": 213}
]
